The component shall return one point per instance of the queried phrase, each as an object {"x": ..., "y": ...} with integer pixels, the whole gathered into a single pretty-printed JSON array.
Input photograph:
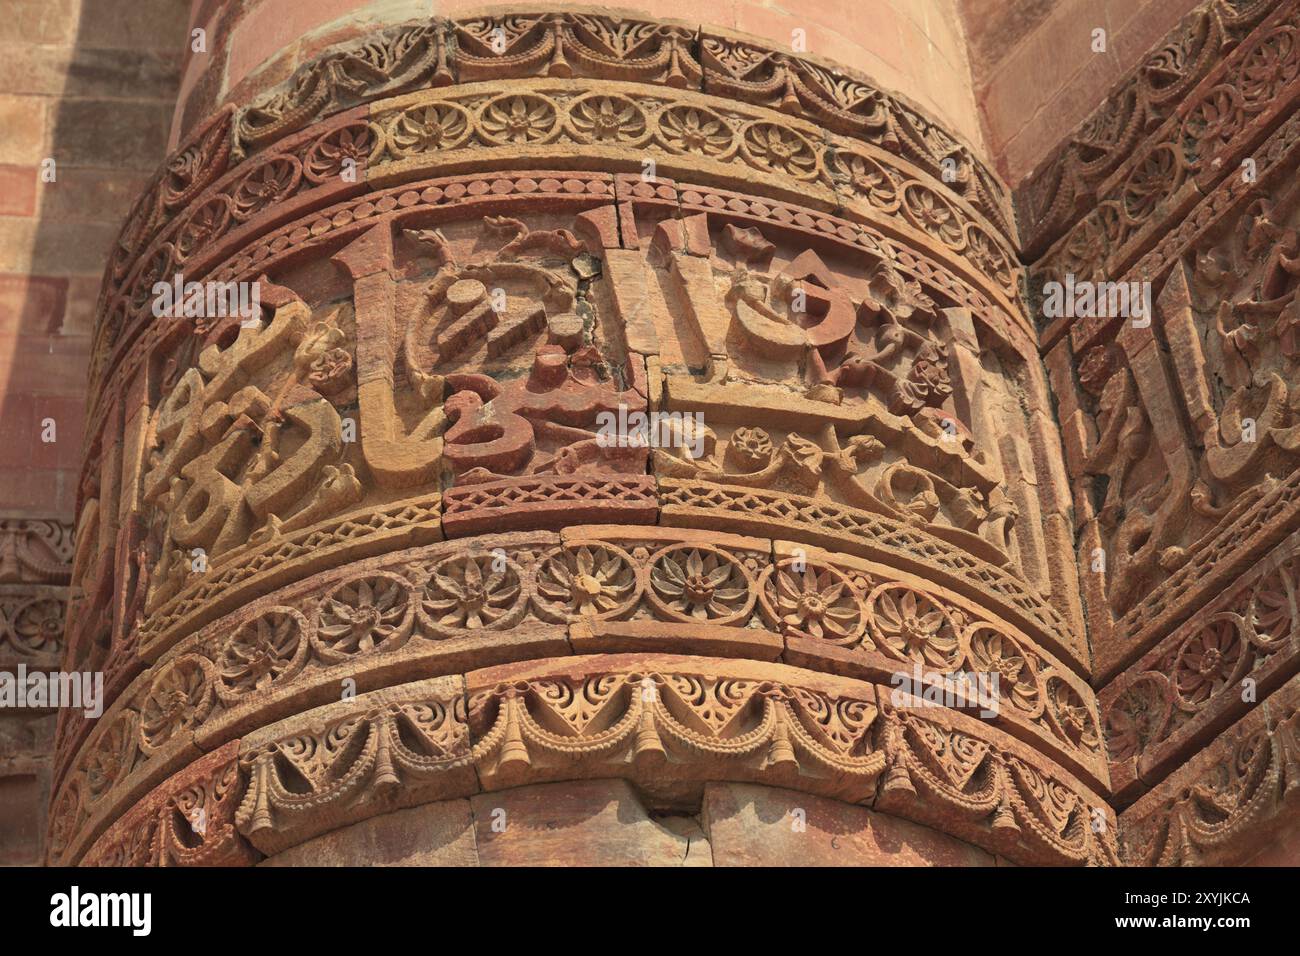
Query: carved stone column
[
  {"x": 397, "y": 553},
  {"x": 1182, "y": 429}
]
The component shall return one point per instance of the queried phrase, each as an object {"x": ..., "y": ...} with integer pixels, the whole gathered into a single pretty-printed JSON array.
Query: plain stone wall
[
  {"x": 607, "y": 823},
  {"x": 91, "y": 85},
  {"x": 1035, "y": 74}
]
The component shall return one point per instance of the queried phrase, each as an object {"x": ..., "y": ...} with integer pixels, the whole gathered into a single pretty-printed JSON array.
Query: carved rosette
[
  {"x": 620, "y": 405},
  {"x": 35, "y": 562}
]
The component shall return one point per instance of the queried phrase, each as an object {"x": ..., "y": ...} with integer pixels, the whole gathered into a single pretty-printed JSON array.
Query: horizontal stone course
[{"x": 410, "y": 744}]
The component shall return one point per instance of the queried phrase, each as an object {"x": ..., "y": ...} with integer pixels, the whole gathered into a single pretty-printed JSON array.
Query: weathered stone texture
[
  {"x": 765, "y": 826},
  {"x": 92, "y": 98},
  {"x": 435, "y": 834},
  {"x": 1179, "y": 429},
  {"x": 82, "y": 110},
  {"x": 35, "y": 555},
  {"x": 591, "y": 823},
  {"x": 641, "y": 432}
]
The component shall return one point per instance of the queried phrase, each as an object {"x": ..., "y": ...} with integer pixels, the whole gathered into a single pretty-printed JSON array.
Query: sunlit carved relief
[
  {"x": 861, "y": 353},
  {"x": 1195, "y": 429},
  {"x": 478, "y": 355},
  {"x": 402, "y": 464},
  {"x": 497, "y": 337},
  {"x": 248, "y": 442}
]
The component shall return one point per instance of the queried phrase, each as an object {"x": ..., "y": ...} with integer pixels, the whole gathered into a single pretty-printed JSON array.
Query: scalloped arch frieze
[{"x": 667, "y": 723}]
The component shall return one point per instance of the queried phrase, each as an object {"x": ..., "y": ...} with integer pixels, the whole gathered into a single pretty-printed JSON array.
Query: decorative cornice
[
  {"x": 1207, "y": 673},
  {"x": 671, "y": 55},
  {"x": 1102, "y": 159},
  {"x": 186, "y": 821},
  {"x": 660, "y": 721},
  {"x": 1230, "y": 800},
  {"x": 883, "y": 155}
]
